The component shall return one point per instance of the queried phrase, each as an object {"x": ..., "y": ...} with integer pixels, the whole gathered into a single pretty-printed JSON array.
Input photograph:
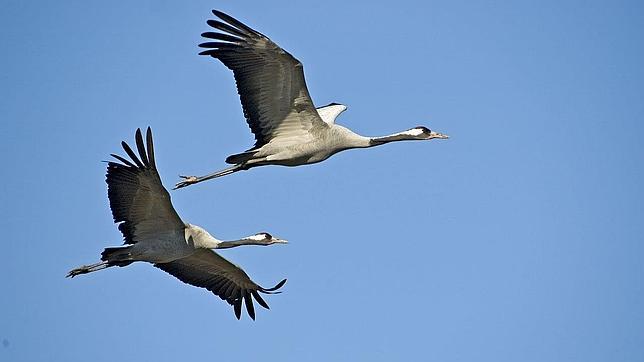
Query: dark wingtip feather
[
  {"x": 218, "y": 45},
  {"x": 220, "y": 36},
  {"x": 131, "y": 153},
  {"x": 250, "y": 308},
  {"x": 150, "y": 142},
  {"x": 125, "y": 161},
  {"x": 211, "y": 52},
  {"x": 234, "y": 22},
  {"x": 238, "y": 308},
  {"x": 260, "y": 300},
  {"x": 227, "y": 28},
  {"x": 273, "y": 289},
  {"x": 140, "y": 146}
]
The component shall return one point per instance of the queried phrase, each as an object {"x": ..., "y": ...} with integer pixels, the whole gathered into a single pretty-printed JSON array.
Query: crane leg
[
  {"x": 191, "y": 180},
  {"x": 88, "y": 269}
]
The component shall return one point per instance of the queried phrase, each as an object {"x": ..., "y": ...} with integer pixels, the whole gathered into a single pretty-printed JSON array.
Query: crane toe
[
  {"x": 77, "y": 271},
  {"x": 187, "y": 181}
]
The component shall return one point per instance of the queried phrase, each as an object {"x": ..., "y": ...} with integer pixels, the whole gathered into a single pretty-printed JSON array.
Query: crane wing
[
  {"x": 270, "y": 81},
  {"x": 207, "y": 269},
  {"x": 138, "y": 200}
]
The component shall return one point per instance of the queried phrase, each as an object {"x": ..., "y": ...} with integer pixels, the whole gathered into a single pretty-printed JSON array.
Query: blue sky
[{"x": 519, "y": 239}]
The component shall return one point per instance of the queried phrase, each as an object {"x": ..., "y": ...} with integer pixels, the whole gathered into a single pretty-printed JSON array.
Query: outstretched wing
[
  {"x": 138, "y": 200},
  {"x": 270, "y": 81},
  {"x": 207, "y": 269}
]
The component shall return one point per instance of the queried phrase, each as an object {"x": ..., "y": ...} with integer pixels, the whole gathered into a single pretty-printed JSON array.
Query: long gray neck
[
  {"x": 240, "y": 242},
  {"x": 345, "y": 138},
  {"x": 198, "y": 237},
  {"x": 400, "y": 136}
]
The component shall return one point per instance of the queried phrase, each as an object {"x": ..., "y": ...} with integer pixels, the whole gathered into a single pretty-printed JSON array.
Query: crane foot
[{"x": 187, "y": 181}]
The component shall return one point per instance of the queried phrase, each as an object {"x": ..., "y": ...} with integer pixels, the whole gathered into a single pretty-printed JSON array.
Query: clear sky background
[{"x": 518, "y": 239}]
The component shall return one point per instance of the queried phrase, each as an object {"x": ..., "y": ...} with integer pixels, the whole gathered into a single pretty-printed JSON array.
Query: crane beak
[
  {"x": 280, "y": 241},
  {"x": 438, "y": 135}
]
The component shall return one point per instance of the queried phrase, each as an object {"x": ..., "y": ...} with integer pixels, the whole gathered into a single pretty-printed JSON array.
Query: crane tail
[
  {"x": 120, "y": 256},
  {"x": 191, "y": 180},
  {"x": 241, "y": 157}
]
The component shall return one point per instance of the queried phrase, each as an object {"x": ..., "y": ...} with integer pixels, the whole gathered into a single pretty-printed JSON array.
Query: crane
[
  {"x": 288, "y": 129},
  {"x": 154, "y": 233}
]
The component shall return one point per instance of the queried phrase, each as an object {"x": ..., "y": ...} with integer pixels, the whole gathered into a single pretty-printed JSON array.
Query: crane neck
[
  {"x": 351, "y": 139},
  {"x": 346, "y": 138},
  {"x": 240, "y": 242},
  {"x": 400, "y": 136},
  {"x": 197, "y": 237}
]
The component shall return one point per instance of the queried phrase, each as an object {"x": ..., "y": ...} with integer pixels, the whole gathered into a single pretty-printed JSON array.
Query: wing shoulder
[{"x": 330, "y": 112}]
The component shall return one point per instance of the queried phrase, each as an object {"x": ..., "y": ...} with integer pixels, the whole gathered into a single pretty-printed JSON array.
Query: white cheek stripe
[{"x": 414, "y": 132}]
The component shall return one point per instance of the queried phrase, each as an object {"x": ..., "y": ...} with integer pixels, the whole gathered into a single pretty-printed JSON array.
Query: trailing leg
[
  {"x": 88, "y": 269},
  {"x": 118, "y": 256},
  {"x": 191, "y": 180}
]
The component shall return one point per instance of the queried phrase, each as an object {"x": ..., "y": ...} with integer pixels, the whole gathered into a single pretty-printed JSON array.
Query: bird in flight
[
  {"x": 154, "y": 233},
  {"x": 289, "y": 130}
]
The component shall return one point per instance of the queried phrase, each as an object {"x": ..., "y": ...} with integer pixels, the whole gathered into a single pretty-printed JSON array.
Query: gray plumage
[
  {"x": 288, "y": 129},
  {"x": 154, "y": 233}
]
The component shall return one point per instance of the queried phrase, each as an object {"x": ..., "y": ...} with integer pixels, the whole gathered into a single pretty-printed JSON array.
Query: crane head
[
  {"x": 424, "y": 133},
  {"x": 265, "y": 238}
]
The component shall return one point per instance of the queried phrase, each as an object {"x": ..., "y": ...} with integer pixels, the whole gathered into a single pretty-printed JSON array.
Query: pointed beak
[
  {"x": 280, "y": 241},
  {"x": 438, "y": 135}
]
